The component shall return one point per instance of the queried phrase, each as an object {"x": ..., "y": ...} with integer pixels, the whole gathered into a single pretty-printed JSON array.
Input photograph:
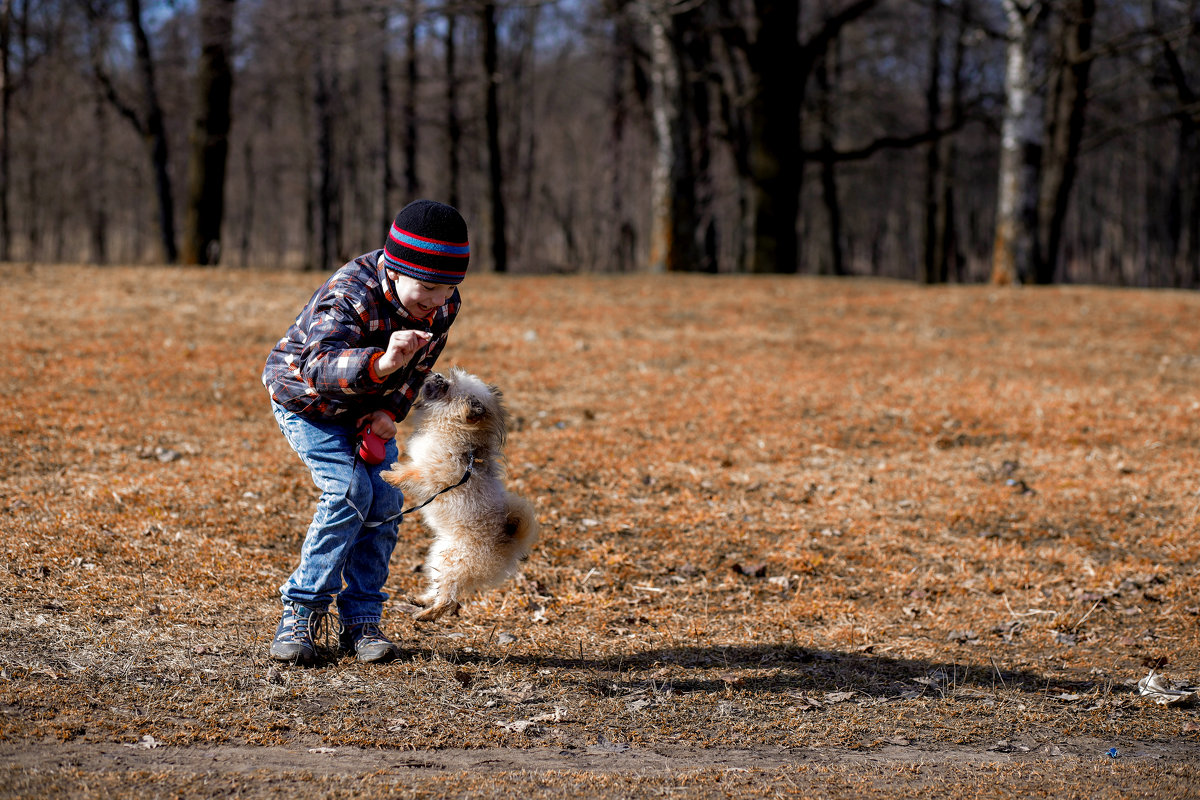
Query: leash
[{"x": 466, "y": 476}]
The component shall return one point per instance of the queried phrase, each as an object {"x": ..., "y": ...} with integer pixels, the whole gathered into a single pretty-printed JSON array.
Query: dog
[{"x": 480, "y": 531}]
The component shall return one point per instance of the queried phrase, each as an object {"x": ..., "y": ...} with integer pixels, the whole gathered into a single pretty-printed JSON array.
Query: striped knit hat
[{"x": 428, "y": 242}]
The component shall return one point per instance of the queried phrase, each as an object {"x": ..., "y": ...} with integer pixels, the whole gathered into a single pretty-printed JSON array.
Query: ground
[{"x": 800, "y": 537}]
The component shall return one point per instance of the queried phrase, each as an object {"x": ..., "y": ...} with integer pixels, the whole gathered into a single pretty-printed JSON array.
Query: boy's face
[{"x": 420, "y": 297}]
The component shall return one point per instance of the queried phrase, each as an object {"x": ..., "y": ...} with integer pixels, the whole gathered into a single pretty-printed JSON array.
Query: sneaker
[
  {"x": 368, "y": 644},
  {"x": 296, "y": 636}
]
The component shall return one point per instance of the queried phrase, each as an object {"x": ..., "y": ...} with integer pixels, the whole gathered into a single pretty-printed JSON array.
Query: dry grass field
[{"x": 801, "y": 538}]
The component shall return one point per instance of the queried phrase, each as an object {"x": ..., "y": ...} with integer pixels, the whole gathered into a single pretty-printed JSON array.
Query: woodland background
[{"x": 937, "y": 140}]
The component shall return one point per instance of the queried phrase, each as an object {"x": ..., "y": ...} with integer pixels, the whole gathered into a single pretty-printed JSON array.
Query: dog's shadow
[{"x": 779, "y": 669}]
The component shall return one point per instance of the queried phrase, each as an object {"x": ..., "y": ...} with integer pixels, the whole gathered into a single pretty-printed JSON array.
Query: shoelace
[
  {"x": 370, "y": 632},
  {"x": 315, "y": 626}
]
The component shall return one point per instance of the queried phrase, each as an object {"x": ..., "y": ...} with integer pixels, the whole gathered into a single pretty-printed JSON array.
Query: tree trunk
[
  {"x": 773, "y": 123},
  {"x": 950, "y": 254},
  {"x": 666, "y": 110},
  {"x": 934, "y": 256},
  {"x": 523, "y": 155},
  {"x": 1065, "y": 113},
  {"x": 1020, "y": 148},
  {"x": 829, "y": 191},
  {"x": 249, "y": 203},
  {"x": 774, "y": 126},
  {"x": 5, "y": 105},
  {"x": 411, "y": 181},
  {"x": 155, "y": 133},
  {"x": 735, "y": 80},
  {"x": 210, "y": 135},
  {"x": 491, "y": 58},
  {"x": 1183, "y": 216},
  {"x": 387, "y": 178},
  {"x": 326, "y": 178},
  {"x": 453, "y": 125},
  {"x": 622, "y": 239},
  {"x": 97, "y": 205},
  {"x": 698, "y": 59}
]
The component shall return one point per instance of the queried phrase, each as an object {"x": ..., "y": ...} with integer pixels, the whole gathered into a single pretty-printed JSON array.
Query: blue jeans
[{"x": 353, "y": 532}]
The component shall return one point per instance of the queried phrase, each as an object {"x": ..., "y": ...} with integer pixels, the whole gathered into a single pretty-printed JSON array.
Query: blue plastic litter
[{"x": 1112, "y": 752}]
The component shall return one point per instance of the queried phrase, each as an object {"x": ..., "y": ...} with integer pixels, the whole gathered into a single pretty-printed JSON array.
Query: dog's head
[{"x": 460, "y": 402}]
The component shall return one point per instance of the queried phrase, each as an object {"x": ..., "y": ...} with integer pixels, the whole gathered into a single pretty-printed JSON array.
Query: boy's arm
[{"x": 333, "y": 361}]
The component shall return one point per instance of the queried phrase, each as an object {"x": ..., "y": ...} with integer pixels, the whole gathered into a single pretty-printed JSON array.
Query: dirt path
[
  {"x": 1077, "y": 768},
  {"x": 602, "y": 758}
]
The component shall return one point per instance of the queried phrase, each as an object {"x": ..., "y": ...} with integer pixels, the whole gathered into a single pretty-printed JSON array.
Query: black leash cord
[{"x": 466, "y": 476}]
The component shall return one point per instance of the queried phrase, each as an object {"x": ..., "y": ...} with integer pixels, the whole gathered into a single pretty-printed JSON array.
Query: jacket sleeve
[{"x": 334, "y": 361}]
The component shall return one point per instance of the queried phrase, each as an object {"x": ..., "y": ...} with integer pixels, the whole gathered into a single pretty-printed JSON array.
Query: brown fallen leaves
[{"x": 776, "y": 511}]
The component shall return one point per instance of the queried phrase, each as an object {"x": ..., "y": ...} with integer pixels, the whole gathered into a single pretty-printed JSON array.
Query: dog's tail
[{"x": 520, "y": 526}]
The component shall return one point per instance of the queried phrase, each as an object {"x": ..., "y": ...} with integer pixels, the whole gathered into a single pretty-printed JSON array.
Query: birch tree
[
  {"x": 666, "y": 109},
  {"x": 1021, "y": 140}
]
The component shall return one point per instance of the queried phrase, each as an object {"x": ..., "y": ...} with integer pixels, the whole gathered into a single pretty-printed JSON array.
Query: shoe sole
[
  {"x": 390, "y": 654},
  {"x": 293, "y": 658}
]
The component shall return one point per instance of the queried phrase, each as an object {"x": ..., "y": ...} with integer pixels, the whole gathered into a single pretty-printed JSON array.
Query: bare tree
[
  {"x": 98, "y": 216},
  {"x": 490, "y": 57},
  {"x": 150, "y": 125},
  {"x": 1183, "y": 210},
  {"x": 453, "y": 124},
  {"x": 412, "y": 185},
  {"x": 936, "y": 169},
  {"x": 693, "y": 29},
  {"x": 147, "y": 120},
  {"x": 210, "y": 135},
  {"x": 5, "y": 137},
  {"x": 387, "y": 175},
  {"x": 1065, "y": 114},
  {"x": 624, "y": 94},
  {"x": 826, "y": 73},
  {"x": 773, "y": 119},
  {"x": 666, "y": 102},
  {"x": 326, "y": 95},
  {"x": 1020, "y": 146}
]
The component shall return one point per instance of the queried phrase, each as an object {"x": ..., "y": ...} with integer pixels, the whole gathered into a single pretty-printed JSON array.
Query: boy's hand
[
  {"x": 401, "y": 347},
  {"x": 381, "y": 424}
]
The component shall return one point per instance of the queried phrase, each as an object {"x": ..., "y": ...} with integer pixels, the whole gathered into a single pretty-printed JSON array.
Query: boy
[{"x": 349, "y": 367}]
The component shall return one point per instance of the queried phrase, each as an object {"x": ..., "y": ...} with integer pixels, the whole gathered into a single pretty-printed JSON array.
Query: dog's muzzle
[{"x": 435, "y": 386}]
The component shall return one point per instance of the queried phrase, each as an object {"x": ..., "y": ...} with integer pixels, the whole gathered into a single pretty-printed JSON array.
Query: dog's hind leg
[{"x": 439, "y": 610}]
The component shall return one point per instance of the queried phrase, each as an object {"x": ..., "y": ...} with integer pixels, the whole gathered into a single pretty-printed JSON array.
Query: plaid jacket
[{"x": 324, "y": 368}]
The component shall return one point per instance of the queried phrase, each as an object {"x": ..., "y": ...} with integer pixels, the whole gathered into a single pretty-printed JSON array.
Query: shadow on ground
[{"x": 774, "y": 668}]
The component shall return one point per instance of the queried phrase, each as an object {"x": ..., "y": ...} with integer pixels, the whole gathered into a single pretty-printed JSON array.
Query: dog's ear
[
  {"x": 476, "y": 410},
  {"x": 495, "y": 390}
]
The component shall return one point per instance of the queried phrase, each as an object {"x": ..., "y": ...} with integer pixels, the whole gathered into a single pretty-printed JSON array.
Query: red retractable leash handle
[{"x": 371, "y": 449}]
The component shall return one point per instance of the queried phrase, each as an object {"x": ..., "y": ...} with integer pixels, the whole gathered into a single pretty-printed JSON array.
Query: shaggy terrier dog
[{"x": 480, "y": 531}]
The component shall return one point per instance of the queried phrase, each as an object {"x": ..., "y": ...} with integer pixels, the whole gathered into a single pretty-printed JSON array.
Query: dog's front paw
[{"x": 407, "y": 479}]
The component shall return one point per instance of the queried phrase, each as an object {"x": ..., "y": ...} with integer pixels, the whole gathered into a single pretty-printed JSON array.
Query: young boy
[{"x": 353, "y": 362}]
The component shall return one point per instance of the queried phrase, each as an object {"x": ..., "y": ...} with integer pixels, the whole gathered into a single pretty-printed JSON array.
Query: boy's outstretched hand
[{"x": 401, "y": 347}]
